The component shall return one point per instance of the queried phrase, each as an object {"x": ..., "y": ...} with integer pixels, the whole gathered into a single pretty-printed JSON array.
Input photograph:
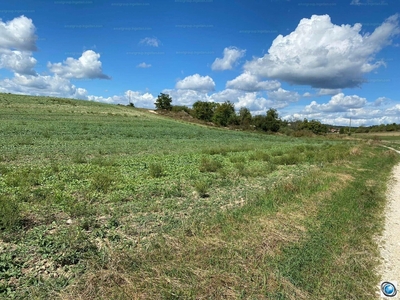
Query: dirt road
[{"x": 390, "y": 241}]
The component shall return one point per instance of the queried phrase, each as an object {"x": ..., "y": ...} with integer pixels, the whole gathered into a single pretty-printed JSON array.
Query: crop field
[
  {"x": 103, "y": 201},
  {"x": 391, "y": 138}
]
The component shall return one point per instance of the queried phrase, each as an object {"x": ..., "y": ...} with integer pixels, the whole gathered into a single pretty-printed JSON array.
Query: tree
[
  {"x": 163, "y": 102},
  {"x": 245, "y": 117},
  {"x": 314, "y": 126},
  {"x": 224, "y": 113},
  {"x": 204, "y": 110},
  {"x": 259, "y": 122},
  {"x": 273, "y": 123}
]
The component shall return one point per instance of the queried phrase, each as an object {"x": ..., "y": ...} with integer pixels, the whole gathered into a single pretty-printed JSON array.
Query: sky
[{"x": 326, "y": 60}]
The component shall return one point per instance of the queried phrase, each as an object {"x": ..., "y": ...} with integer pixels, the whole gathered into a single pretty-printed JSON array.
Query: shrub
[
  {"x": 9, "y": 213},
  {"x": 178, "y": 108},
  {"x": 287, "y": 159},
  {"x": 209, "y": 165},
  {"x": 155, "y": 170},
  {"x": 237, "y": 159},
  {"x": 242, "y": 170},
  {"x": 260, "y": 155},
  {"x": 79, "y": 157},
  {"x": 202, "y": 188},
  {"x": 101, "y": 182}
]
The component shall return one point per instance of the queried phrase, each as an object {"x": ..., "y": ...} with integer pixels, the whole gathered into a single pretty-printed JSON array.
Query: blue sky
[{"x": 325, "y": 60}]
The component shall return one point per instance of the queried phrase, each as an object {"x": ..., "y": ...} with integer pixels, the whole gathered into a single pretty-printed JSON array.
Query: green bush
[
  {"x": 9, "y": 213},
  {"x": 237, "y": 159},
  {"x": 260, "y": 155},
  {"x": 202, "y": 188},
  {"x": 101, "y": 181},
  {"x": 287, "y": 159},
  {"x": 178, "y": 108},
  {"x": 155, "y": 170},
  {"x": 79, "y": 157},
  {"x": 209, "y": 165}
]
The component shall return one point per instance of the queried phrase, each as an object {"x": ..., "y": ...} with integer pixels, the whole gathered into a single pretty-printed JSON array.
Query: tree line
[{"x": 224, "y": 114}]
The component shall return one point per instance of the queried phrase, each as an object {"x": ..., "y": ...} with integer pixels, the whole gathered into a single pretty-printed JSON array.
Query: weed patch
[{"x": 209, "y": 165}]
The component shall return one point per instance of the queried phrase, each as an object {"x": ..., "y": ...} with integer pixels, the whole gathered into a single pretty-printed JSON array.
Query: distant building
[{"x": 334, "y": 130}]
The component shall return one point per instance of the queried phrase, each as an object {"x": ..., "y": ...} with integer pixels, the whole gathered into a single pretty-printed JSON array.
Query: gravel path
[{"x": 390, "y": 241}]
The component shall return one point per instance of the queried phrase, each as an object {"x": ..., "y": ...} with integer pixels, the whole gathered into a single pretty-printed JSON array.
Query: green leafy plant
[
  {"x": 202, "y": 187},
  {"x": 155, "y": 170},
  {"x": 209, "y": 165},
  {"x": 9, "y": 213}
]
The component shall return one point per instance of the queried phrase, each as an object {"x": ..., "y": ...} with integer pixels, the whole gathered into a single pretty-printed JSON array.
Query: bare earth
[{"x": 390, "y": 242}]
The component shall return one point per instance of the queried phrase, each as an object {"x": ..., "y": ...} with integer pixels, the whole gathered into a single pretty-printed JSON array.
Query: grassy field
[
  {"x": 111, "y": 202},
  {"x": 391, "y": 138}
]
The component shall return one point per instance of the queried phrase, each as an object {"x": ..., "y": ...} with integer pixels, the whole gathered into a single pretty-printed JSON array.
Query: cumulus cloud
[
  {"x": 186, "y": 97},
  {"x": 18, "y": 34},
  {"x": 87, "y": 66},
  {"x": 365, "y": 116},
  {"x": 140, "y": 99},
  {"x": 143, "y": 65},
  {"x": 231, "y": 56},
  {"x": 20, "y": 62},
  {"x": 324, "y": 55},
  {"x": 196, "y": 82},
  {"x": 254, "y": 101},
  {"x": 153, "y": 42},
  {"x": 256, "y": 104},
  {"x": 381, "y": 101},
  {"x": 251, "y": 83},
  {"x": 17, "y": 41},
  {"x": 42, "y": 86},
  {"x": 145, "y": 100},
  {"x": 338, "y": 103},
  {"x": 284, "y": 96}
]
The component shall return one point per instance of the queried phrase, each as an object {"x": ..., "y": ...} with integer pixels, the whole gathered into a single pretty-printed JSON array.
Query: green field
[{"x": 103, "y": 201}]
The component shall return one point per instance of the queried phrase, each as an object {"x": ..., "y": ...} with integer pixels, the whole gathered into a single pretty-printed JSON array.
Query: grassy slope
[{"x": 102, "y": 201}]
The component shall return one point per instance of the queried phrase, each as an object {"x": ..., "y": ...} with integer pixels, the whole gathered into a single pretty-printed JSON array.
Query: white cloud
[
  {"x": 338, "y": 103},
  {"x": 18, "y": 34},
  {"x": 153, "y": 42},
  {"x": 87, "y": 66},
  {"x": 307, "y": 94},
  {"x": 186, "y": 97},
  {"x": 324, "y": 92},
  {"x": 17, "y": 41},
  {"x": 257, "y": 105},
  {"x": 365, "y": 116},
  {"x": 109, "y": 100},
  {"x": 251, "y": 83},
  {"x": 42, "y": 86},
  {"x": 282, "y": 95},
  {"x": 141, "y": 99},
  {"x": 227, "y": 95},
  {"x": 143, "y": 65},
  {"x": 324, "y": 55},
  {"x": 381, "y": 101},
  {"x": 20, "y": 62},
  {"x": 196, "y": 82},
  {"x": 231, "y": 56}
]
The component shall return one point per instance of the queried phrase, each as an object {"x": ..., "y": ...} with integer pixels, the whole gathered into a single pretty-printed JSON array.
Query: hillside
[{"x": 102, "y": 201}]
